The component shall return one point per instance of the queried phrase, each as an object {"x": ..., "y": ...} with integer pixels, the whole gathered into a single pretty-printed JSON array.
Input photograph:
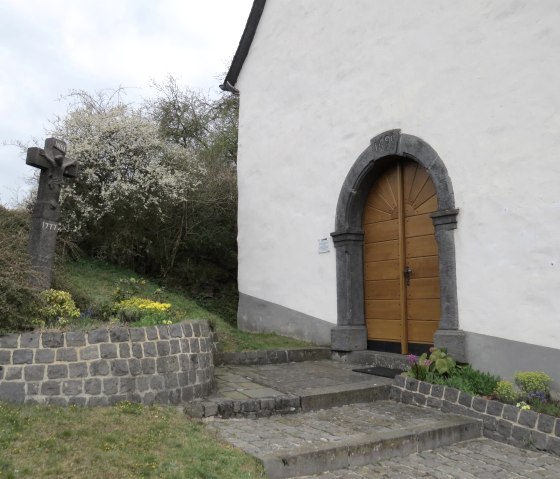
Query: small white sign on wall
[{"x": 324, "y": 245}]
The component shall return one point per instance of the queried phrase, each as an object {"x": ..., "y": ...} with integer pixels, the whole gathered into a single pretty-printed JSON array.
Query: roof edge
[{"x": 243, "y": 47}]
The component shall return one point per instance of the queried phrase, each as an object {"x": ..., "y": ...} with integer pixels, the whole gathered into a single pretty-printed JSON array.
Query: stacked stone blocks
[
  {"x": 502, "y": 422},
  {"x": 276, "y": 356},
  {"x": 158, "y": 364}
]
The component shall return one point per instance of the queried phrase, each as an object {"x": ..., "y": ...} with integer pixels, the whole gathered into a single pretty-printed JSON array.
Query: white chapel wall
[{"x": 478, "y": 80}]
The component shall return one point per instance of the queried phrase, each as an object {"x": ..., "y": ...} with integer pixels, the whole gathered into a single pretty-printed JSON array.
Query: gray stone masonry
[
  {"x": 502, "y": 422},
  {"x": 249, "y": 358},
  {"x": 166, "y": 364}
]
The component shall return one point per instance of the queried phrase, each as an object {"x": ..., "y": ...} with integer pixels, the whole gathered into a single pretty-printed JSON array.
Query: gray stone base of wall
[
  {"x": 262, "y": 316},
  {"x": 454, "y": 341},
  {"x": 349, "y": 338},
  {"x": 501, "y": 422}
]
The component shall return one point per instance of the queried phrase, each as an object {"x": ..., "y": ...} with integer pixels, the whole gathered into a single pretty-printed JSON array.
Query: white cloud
[{"x": 50, "y": 47}]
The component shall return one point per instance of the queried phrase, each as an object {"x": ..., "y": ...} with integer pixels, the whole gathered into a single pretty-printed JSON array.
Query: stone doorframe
[{"x": 350, "y": 334}]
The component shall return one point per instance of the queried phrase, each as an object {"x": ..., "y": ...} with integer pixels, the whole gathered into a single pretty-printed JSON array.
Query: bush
[
  {"x": 126, "y": 288},
  {"x": 17, "y": 301},
  {"x": 552, "y": 408},
  {"x": 18, "y": 306},
  {"x": 467, "y": 379},
  {"x": 532, "y": 383},
  {"x": 57, "y": 308},
  {"x": 505, "y": 392}
]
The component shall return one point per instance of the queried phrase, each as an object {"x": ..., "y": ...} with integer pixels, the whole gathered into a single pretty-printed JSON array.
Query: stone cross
[{"x": 46, "y": 213}]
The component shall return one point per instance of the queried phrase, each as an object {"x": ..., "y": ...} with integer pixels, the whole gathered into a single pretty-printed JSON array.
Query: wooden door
[{"x": 401, "y": 267}]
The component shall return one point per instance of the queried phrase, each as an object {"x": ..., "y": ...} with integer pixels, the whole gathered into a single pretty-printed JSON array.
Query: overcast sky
[{"x": 49, "y": 47}]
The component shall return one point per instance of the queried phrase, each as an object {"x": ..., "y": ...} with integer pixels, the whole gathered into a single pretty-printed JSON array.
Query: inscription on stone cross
[{"x": 54, "y": 166}]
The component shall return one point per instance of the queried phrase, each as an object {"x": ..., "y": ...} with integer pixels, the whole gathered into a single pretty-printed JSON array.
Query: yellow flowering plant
[{"x": 143, "y": 310}]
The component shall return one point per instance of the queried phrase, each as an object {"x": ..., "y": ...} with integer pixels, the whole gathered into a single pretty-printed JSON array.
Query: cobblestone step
[
  {"x": 474, "y": 459},
  {"x": 264, "y": 390},
  {"x": 313, "y": 399},
  {"x": 342, "y": 437}
]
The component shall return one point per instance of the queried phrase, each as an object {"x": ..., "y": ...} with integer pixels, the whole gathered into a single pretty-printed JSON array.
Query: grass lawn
[
  {"x": 127, "y": 440},
  {"x": 92, "y": 284}
]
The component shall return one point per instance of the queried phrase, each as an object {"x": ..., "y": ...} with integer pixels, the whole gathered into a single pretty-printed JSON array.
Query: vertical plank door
[{"x": 400, "y": 309}]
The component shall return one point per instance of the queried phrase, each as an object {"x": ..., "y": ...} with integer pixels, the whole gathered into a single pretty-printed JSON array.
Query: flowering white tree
[{"x": 129, "y": 200}]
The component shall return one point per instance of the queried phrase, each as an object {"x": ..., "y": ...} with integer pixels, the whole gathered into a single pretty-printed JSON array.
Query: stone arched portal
[{"x": 350, "y": 334}]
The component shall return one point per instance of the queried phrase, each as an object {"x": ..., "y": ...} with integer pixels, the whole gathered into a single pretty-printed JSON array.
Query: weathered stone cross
[{"x": 44, "y": 225}]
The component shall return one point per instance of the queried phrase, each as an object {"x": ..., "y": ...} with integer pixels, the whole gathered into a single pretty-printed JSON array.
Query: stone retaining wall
[
  {"x": 163, "y": 364},
  {"x": 502, "y": 422}
]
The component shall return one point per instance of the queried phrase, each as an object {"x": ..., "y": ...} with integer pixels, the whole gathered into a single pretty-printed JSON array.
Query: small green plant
[
  {"x": 144, "y": 310},
  {"x": 531, "y": 382},
  {"x": 57, "y": 307},
  {"x": 128, "y": 407},
  {"x": 523, "y": 406},
  {"x": 418, "y": 366},
  {"x": 505, "y": 392},
  {"x": 442, "y": 362},
  {"x": 438, "y": 362},
  {"x": 126, "y": 288}
]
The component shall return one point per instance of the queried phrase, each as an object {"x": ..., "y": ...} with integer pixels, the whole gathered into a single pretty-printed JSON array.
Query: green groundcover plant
[{"x": 532, "y": 393}]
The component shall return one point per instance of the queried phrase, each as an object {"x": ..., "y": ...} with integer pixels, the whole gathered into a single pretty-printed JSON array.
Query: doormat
[{"x": 380, "y": 371}]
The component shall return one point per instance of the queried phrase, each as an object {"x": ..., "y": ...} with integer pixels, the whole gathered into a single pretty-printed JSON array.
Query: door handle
[{"x": 407, "y": 274}]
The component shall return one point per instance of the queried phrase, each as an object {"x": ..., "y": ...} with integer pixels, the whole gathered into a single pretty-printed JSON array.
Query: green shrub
[
  {"x": 57, "y": 307},
  {"x": 552, "y": 408},
  {"x": 467, "y": 379},
  {"x": 482, "y": 383},
  {"x": 126, "y": 288},
  {"x": 505, "y": 392},
  {"x": 531, "y": 382},
  {"x": 17, "y": 301},
  {"x": 18, "y": 306}
]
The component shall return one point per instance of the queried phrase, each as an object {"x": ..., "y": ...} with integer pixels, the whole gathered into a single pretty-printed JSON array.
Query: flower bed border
[{"x": 501, "y": 422}]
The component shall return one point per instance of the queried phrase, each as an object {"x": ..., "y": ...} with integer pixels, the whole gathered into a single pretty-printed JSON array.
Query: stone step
[
  {"x": 263, "y": 390},
  {"x": 310, "y": 400},
  {"x": 314, "y": 399},
  {"x": 477, "y": 458},
  {"x": 342, "y": 437}
]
